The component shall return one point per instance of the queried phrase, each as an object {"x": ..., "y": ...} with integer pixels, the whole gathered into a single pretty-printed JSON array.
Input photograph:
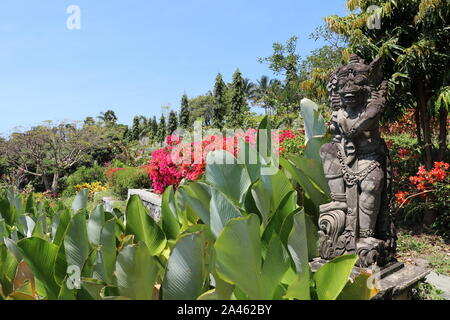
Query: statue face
[{"x": 352, "y": 87}]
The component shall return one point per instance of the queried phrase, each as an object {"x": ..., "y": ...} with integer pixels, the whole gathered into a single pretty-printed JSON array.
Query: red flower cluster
[
  {"x": 178, "y": 161},
  {"x": 423, "y": 182}
]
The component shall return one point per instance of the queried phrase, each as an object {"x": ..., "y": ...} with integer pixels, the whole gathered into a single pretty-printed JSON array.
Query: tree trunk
[
  {"x": 429, "y": 216},
  {"x": 55, "y": 182},
  {"x": 422, "y": 102},
  {"x": 45, "y": 181},
  {"x": 443, "y": 116}
]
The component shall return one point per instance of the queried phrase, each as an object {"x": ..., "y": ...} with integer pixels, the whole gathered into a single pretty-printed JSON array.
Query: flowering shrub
[
  {"x": 428, "y": 190},
  {"x": 178, "y": 161},
  {"x": 93, "y": 187},
  {"x": 292, "y": 142}
]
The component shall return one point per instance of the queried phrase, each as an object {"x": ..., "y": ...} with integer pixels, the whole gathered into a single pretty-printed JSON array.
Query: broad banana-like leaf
[
  {"x": 313, "y": 120},
  {"x": 136, "y": 272},
  {"x": 276, "y": 264},
  {"x": 198, "y": 195},
  {"x": 186, "y": 269},
  {"x": 238, "y": 255},
  {"x": 108, "y": 250},
  {"x": 140, "y": 224},
  {"x": 223, "y": 174},
  {"x": 40, "y": 257},
  {"x": 76, "y": 242},
  {"x": 332, "y": 277},
  {"x": 361, "y": 288},
  {"x": 169, "y": 217},
  {"x": 61, "y": 223},
  {"x": 262, "y": 198},
  {"x": 95, "y": 225},
  {"x": 8, "y": 265},
  {"x": 298, "y": 249},
  {"x": 81, "y": 200},
  {"x": 222, "y": 210}
]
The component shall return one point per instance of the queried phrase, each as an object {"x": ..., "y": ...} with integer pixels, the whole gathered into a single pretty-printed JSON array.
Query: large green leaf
[
  {"x": 332, "y": 277},
  {"x": 262, "y": 198},
  {"x": 186, "y": 269},
  {"x": 313, "y": 120},
  {"x": 136, "y": 272},
  {"x": 60, "y": 224},
  {"x": 8, "y": 265},
  {"x": 223, "y": 174},
  {"x": 198, "y": 195},
  {"x": 106, "y": 259},
  {"x": 222, "y": 210},
  {"x": 140, "y": 224},
  {"x": 276, "y": 264},
  {"x": 40, "y": 257},
  {"x": 169, "y": 218},
  {"x": 76, "y": 242},
  {"x": 279, "y": 186},
  {"x": 81, "y": 200},
  {"x": 361, "y": 288},
  {"x": 238, "y": 255},
  {"x": 95, "y": 224},
  {"x": 298, "y": 249}
]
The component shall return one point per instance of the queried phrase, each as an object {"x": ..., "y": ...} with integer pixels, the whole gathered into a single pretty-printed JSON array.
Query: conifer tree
[
  {"x": 162, "y": 129},
  {"x": 239, "y": 104},
  {"x": 185, "y": 113},
  {"x": 135, "y": 129},
  {"x": 220, "y": 103},
  {"x": 173, "y": 122}
]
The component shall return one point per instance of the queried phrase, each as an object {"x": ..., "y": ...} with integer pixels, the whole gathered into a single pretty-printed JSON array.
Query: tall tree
[
  {"x": 185, "y": 112},
  {"x": 173, "y": 122},
  {"x": 220, "y": 102},
  {"x": 109, "y": 117},
  {"x": 154, "y": 128},
  {"x": 47, "y": 151},
  {"x": 135, "y": 132},
  {"x": 162, "y": 129},
  {"x": 202, "y": 107},
  {"x": 239, "y": 105},
  {"x": 413, "y": 40}
]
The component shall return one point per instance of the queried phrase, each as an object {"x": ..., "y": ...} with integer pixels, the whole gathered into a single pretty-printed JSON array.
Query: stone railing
[{"x": 152, "y": 201}]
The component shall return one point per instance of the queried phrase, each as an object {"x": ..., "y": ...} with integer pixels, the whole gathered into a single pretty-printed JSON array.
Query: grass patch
[{"x": 431, "y": 248}]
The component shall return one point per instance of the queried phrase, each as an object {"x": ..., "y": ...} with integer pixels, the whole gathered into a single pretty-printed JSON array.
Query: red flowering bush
[
  {"x": 178, "y": 161},
  {"x": 428, "y": 190}
]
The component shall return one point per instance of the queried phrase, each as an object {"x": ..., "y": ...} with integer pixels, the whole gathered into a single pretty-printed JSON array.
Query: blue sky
[{"x": 134, "y": 56}]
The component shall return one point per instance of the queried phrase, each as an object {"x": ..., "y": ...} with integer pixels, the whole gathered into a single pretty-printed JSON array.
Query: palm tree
[
  {"x": 108, "y": 117},
  {"x": 250, "y": 89},
  {"x": 266, "y": 87}
]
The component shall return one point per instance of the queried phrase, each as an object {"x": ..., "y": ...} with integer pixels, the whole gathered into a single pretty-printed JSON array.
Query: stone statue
[{"x": 357, "y": 167}]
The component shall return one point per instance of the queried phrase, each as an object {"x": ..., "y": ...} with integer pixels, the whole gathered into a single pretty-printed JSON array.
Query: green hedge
[{"x": 129, "y": 178}]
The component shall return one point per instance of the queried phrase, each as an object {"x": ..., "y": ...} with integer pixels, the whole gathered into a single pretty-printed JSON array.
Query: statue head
[{"x": 351, "y": 85}]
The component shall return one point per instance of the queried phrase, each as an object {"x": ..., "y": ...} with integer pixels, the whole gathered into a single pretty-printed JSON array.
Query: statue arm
[{"x": 371, "y": 116}]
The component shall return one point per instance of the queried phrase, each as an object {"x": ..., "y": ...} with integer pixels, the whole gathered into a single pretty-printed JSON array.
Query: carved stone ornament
[{"x": 357, "y": 167}]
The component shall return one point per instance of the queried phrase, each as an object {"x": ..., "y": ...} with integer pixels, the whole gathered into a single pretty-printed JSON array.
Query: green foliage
[
  {"x": 413, "y": 43},
  {"x": 129, "y": 178},
  {"x": 185, "y": 113},
  {"x": 173, "y": 122},
  {"x": 220, "y": 103},
  {"x": 162, "y": 129},
  {"x": 195, "y": 252},
  {"x": 82, "y": 175},
  {"x": 239, "y": 105}
]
